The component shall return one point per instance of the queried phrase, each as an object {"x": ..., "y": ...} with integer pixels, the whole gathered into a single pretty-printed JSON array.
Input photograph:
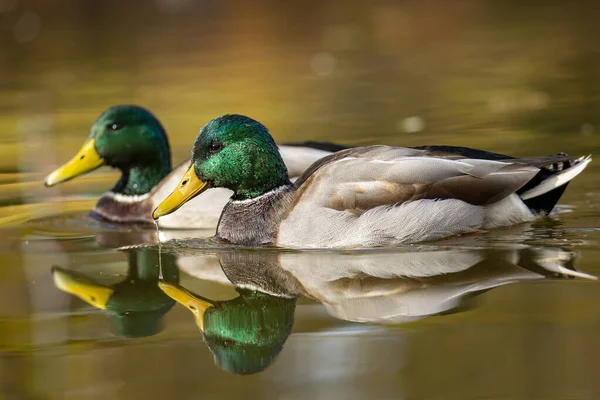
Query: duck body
[
  {"x": 364, "y": 196},
  {"x": 384, "y": 196}
]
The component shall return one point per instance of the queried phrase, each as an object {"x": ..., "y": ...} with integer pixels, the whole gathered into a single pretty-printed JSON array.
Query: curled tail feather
[{"x": 544, "y": 191}]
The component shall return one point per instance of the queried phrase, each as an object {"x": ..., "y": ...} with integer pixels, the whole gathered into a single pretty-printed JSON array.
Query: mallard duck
[
  {"x": 131, "y": 139},
  {"x": 363, "y": 196}
]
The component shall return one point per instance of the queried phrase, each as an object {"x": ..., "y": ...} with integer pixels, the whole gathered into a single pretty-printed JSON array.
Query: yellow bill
[
  {"x": 78, "y": 285},
  {"x": 86, "y": 160},
  {"x": 188, "y": 187},
  {"x": 187, "y": 299}
]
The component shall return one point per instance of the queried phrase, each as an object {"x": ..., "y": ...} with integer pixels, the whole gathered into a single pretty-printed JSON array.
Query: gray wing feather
[{"x": 362, "y": 178}]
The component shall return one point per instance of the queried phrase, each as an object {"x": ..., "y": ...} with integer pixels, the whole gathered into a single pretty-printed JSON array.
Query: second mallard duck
[{"x": 361, "y": 197}]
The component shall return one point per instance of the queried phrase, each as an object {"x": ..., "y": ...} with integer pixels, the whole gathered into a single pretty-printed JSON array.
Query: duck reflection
[
  {"x": 247, "y": 333},
  {"x": 135, "y": 305},
  {"x": 402, "y": 287}
]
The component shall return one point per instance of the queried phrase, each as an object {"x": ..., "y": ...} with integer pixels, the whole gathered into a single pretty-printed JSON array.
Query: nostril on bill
[
  {"x": 82, "y": 157},
  {"x": 184, "y": 182}
]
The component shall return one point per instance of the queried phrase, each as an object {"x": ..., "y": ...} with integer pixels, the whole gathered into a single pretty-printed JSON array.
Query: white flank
[
  {"x": 312, "y": 226},
  {"x": 508, "y": 211}
]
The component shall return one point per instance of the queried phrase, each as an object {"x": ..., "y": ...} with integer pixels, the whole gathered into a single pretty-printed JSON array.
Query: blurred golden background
[
  {"x": 515, "y": 77},
  {"x": 499, "y": 75}
]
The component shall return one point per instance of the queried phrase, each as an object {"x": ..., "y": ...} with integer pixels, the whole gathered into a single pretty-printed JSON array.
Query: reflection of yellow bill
[
  {"x": 86, "y": 160},
  {"x": 186, "y": 298},
  {"x": 188, "y": 187},
  {"x": 87, "y": 290}
]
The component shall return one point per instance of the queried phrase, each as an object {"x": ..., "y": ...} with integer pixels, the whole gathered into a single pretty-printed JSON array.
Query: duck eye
[
  {"x": 115, "y": 126},
  {"x": 215, "y": 146}
]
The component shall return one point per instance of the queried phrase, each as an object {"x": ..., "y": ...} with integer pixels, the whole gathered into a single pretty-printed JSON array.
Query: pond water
[{"x": 513, "y": 313}]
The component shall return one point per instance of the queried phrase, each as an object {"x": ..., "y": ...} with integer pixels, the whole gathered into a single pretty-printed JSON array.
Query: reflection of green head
[
  {"x": 247, "y": 333},
  {"x": 138, "y": 305},
  {"x": 135, "y": 306},
  {"x": 138, "y": 324}
]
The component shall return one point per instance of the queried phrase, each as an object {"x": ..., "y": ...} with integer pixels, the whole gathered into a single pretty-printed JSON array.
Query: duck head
[
  {"x": 233, "y": 152},
  {"x": 128, "y": 138}
]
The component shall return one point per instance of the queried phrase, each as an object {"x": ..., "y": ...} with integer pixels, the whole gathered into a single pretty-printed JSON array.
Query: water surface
[{"x": 508, "y": 314}]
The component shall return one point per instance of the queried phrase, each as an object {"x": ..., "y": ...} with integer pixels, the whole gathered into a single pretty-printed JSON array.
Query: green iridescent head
[
  {"x": 233, "y": 152},
  {"x": 126, "y": 137},
  {"x": 130, "y": 136},
  {"x": 238, "y": 153}
]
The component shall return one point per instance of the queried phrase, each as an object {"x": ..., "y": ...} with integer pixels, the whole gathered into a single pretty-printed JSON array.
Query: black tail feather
[{"x": 545, "y": 203}]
